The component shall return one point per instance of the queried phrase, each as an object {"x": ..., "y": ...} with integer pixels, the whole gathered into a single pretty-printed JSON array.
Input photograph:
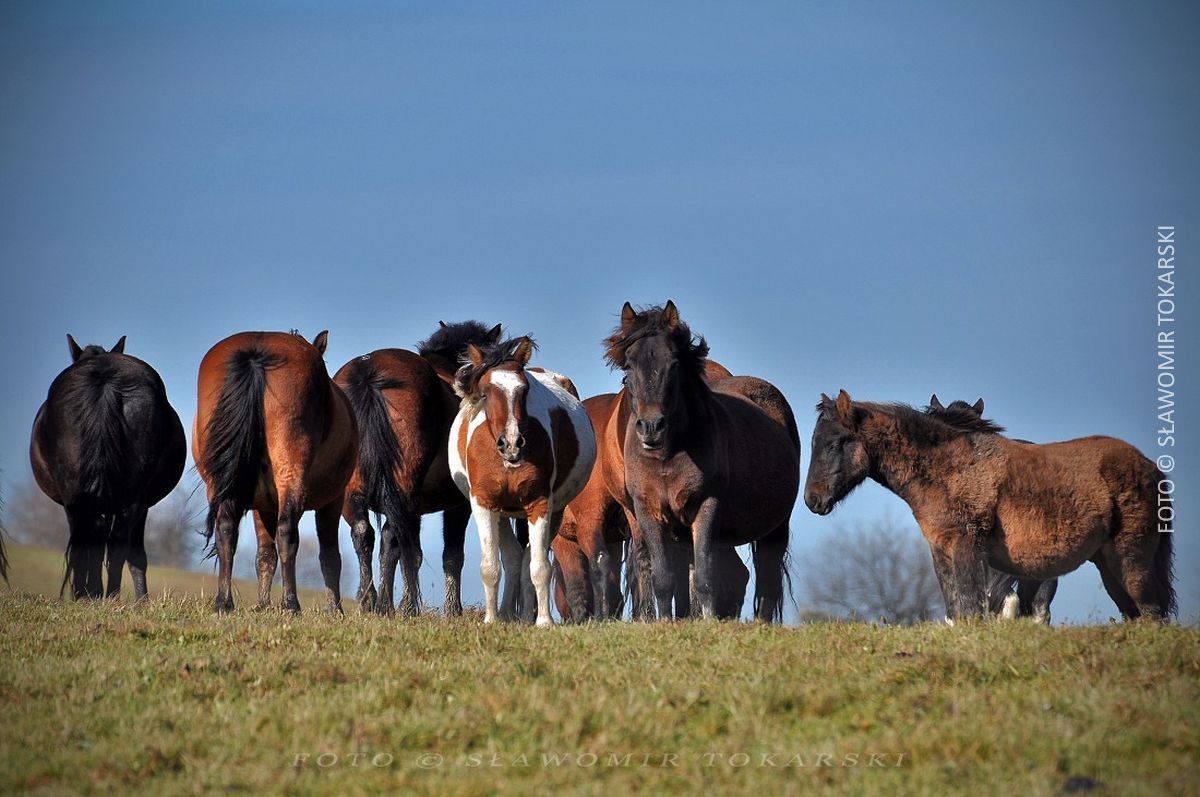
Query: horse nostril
[
  {"x": 500, "y": 443},
  {"x": 520, "y": 441},
  {"x": 640, "y": 426}
]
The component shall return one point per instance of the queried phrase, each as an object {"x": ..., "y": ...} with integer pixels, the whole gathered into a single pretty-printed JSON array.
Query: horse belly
[{"x": 1028, "y": 544}]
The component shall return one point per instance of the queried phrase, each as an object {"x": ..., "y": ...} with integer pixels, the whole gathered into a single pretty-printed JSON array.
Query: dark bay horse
[
  {"x": 107, "y": 446},
  {"x": 1033, "y": 511},
  {"x": 1007, "y": 595},
  {"x": 521, "y": 447},
  {"x": 405, "y": 403},
  {"x": 711, "y": 464},
  {"x": 273, "y": 433}
]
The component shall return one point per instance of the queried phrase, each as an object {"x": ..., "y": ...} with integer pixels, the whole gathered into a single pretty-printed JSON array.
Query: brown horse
[
  {"x": 107, "y": 446},
  {"x": 273, "y": 433},
  {"x": 521, "y": 446},
  {"x": 1034, "y": 511},
  {"x": 714, "y": 464},
  {"x": 1007, "y": 595},
  {"x": 405, "y": 403}
]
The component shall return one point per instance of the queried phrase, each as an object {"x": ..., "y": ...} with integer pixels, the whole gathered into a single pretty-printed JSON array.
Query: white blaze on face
[{"x": 509, "y": 383}]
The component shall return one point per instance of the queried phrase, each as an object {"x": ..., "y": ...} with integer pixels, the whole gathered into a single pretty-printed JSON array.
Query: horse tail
[
  {"x": 379, "y": 452},
  {"x": 236, "y": 437},
  {"x": 3, "y": 558},
  {"x": 97, "y": 400},
  {"x": 1164, "y": 562}
]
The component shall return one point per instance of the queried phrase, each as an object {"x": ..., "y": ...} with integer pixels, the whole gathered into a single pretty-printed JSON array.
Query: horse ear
[
  {"x": 523, "y": 351},
  {"x": 978, "y": 407},
  {"x": 321, "y": 340},
  {"x": 845, "y": 410},
  {"x": 628, "y": 316},
  {"x": 120, "y": 347},
  {"x": 494, "y": 333},
  {"x": 670, "y": 315},
  {"x": 934, "y": 403},
  {"x": 441, "y": 324},
  {"x": 73, "y": 347},
  {"x": 474, "y": 355}
]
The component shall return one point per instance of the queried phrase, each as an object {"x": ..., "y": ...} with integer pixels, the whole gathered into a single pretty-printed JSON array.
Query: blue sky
[{"x": 892, "y": 199}]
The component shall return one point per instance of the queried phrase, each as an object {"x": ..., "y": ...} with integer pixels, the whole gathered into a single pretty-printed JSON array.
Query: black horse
[
  {"x": 1032, "y": 597},
  {"x": 107, "y": 446}
]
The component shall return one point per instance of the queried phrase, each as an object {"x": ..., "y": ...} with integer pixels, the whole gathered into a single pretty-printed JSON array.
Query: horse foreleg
[
  {"x": 527, "y": 602},
  {"x": 267, "y": 558},
  {"x": 490, "y": 532},
  {"x": 454, "y": 532},
  {"x": 662, "y": 577},
  {"x": 330, "y": 555},
  {"x": 969, "y": 566},
  {"x": 362, "y": 534},
  {"x": 540, "y": 532}
]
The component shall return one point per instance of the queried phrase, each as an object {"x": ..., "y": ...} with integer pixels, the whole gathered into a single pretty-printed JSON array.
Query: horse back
[{"x": 766, "y": 397}]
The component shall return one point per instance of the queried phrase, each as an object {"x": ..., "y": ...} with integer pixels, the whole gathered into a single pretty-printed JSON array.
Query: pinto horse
[
  {"x": 404, "y": 403},
  {"x": 980, "y": 499},
  {"x": 521, "y": 447},
  {"x": 273, "y": 433},
  {"x": 711, "y": 464},
  {"x": 1031, "y": 597},
  {"x": 107, "y": 446}
]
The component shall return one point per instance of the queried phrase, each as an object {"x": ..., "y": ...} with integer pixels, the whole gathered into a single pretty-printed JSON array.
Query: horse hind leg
[
  {"x": 454, "y": 533},
  {"x": 267, "y": 557},
  {"x": 330, "y": 556},
  {"x": 362, "y": 534},
  {"x": 406, "y": 525},
  {"x": 85, "y": 552},
  {"x": 287, "y": 540},
  {"x": 137, "y": 552},
  {"x": 1113, "y": 586},
  {"x": 389, "y": 557},
  {"x": 1035, "y": 597}
]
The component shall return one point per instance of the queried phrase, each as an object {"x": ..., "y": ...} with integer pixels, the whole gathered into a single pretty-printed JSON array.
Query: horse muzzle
[
  {"x": 651, "y": 431},
  {"x": 818, "y": 504},
  {"x": 512, "y": 452}
]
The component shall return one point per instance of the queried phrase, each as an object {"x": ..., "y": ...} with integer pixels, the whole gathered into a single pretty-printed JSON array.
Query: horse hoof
[
  {"x": 454, "y": 610},
  {"x": 335, "y": 608},
  {"x": 544, "y": 622},
  {"x": 290, "y": 605},
  {"x": 223, "y": 605}
]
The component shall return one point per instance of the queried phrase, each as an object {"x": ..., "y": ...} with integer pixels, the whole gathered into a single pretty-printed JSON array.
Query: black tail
[
  {"x": 236, "y": 437},
  {"x": 1164, "y": 565},
  {"x": 3, "y": 558},
  {"x": 379, "y": 453},
  {"x": 96, "y": 400}
]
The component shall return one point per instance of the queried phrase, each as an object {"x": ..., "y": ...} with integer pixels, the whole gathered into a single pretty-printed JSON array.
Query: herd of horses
[{"x": 642, "y": 496}]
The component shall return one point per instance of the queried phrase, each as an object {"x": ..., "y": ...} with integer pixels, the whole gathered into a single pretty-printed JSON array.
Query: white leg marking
[
  {"x": 488, "y": 523},
  {"x": 1011, "y": 608},
  {"x": 539, "y": 566}
]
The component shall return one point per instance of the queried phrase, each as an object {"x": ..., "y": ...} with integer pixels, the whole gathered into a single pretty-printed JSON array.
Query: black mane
[
  {"x": 469, "y": 374},
  {"x": 960, "y": 415},
  {"x": 451, "y": 340},
  {"x": 691, "y": 349},
  {"x": 928, "y": 425}
]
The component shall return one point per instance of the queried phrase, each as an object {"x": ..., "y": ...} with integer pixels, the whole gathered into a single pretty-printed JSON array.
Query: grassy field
[{"x": 167, "y": 698}]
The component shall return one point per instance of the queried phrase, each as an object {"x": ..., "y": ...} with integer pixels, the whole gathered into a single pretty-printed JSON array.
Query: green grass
[{"x": 167, "y": 698}]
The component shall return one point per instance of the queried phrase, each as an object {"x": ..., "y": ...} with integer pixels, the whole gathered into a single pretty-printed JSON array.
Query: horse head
[
  {"x": 493, "y": 380},
  {"x": 662, "y": 362},
  {"x": 840, "y": 461}
]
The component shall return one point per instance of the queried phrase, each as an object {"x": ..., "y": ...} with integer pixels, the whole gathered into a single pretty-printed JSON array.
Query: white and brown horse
[{"x": 521, "y": 447}]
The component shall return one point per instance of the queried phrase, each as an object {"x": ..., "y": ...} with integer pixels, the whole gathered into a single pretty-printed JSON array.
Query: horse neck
[
  {"x": 700, "y": 403},
  {"x": 899, "y": 462}
]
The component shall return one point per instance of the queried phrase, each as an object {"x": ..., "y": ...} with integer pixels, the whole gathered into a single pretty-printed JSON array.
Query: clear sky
[{"x": 895, "y": 199}]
